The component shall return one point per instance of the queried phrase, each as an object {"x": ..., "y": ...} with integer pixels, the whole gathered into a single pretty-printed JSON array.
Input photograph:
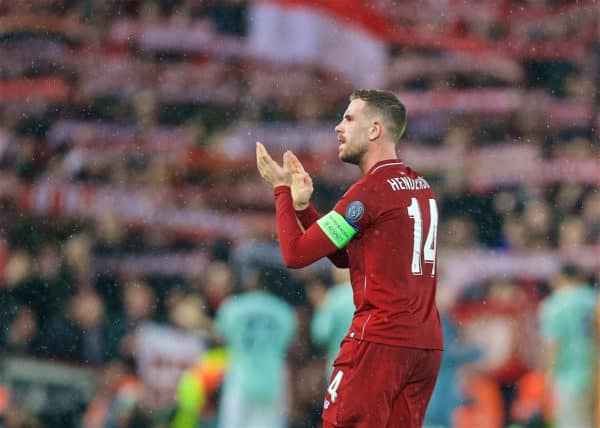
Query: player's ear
[{"x": 375, "y": 130}]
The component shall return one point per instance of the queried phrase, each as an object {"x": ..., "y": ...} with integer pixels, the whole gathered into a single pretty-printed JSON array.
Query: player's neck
[{"x": 377, "y": 154}]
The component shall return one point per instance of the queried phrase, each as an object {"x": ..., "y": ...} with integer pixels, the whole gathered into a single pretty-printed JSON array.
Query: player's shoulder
[
  {"x": 400, "y": 179},
  {"x": 359, "y": 190},
  {"x": 551, "y": 306},
  {"x": 585, "y": 297},
  {"x": 383, "y": 171},
  {"x": 260, "y": 297},
  {"x": 386, "y": 166},
  {"x": 370, "y": 182},
  {"x": 232, "y": 305}
]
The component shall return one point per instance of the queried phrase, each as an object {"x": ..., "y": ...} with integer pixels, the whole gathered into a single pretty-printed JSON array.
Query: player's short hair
[
  {"x": 389, "y": 105},
  {"x": 571, "y": 271}
]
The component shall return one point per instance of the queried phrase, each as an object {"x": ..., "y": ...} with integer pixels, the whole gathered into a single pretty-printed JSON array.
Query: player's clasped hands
[
  {"x": 302, "y": 185},
  {"x": 271, "y": 171},
  {"x": 292, "y": 174}
]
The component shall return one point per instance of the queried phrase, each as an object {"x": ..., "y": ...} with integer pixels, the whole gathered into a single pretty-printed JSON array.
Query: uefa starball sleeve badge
[{"x": 354, "y": 211}]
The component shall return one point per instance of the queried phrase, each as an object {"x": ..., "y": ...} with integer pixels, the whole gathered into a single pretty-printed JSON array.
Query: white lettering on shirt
[{"x": 407, "y": 183}]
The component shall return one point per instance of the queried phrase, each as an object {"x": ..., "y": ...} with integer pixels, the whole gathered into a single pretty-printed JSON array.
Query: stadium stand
[{"x": 128, "y": 186}]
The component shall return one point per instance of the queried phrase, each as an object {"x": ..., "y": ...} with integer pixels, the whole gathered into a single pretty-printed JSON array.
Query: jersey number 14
[{"x": 428, "y": 251}]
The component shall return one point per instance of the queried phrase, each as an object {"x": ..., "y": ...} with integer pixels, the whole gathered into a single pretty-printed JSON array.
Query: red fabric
[
  {"x": 393, "y": 305},
  {"x": 354, "y": 12},
  {"x": 43, "y": 88},
  {"x": 517, "y": 316},
  {"x": 484, "y": 408},
  {"x": 309, "y": 216},
  {"x": 534, "y": 396},
  {"x": 381, "y": 386},
  {"x": 298, "y": 249}
]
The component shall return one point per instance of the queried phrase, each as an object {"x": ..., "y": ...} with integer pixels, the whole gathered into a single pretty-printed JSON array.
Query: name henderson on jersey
[{"x": 407, "y": 183}]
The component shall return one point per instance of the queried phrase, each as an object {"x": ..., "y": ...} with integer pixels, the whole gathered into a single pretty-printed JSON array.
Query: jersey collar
[{"x": 384, "y": 164}]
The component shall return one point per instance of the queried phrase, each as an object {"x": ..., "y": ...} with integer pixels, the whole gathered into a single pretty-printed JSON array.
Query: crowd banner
[
  {"x": 457, "y": 269},
  {"x": 460, "y": 269},
  {"x": 347, "y": 37}
]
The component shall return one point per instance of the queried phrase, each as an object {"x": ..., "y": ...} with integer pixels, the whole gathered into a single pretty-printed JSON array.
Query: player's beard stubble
[{"x": 352, "y": 154}]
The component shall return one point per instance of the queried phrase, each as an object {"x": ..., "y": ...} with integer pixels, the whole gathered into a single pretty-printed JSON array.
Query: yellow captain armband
[{"x": 337, "y": 229}]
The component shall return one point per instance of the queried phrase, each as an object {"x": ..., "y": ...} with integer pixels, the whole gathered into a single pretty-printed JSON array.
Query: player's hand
[
  {"x": 302, "y": 185},
  {"x": 271, "y": 171}
]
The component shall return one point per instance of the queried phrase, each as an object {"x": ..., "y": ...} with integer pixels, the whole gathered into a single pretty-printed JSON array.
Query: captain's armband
[{"x": 337, "y": 229}]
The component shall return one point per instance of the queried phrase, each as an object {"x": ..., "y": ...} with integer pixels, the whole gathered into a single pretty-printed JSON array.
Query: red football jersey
[
  {"x": 391, "y": 253},
  {"x": 392, "y": 257}
]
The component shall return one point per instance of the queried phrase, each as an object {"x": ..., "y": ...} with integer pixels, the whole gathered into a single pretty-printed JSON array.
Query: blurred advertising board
[{"x": 46, "y": 388}]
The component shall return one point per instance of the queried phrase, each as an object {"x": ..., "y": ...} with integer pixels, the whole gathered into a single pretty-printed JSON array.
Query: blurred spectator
[
  {"x": 591, "y": 217},
  {"x": 139, "y": 305},
  {"x": 21, "y": 282},
  {"x": 84, "y": 333},
  {"x": 125, "y": 407},
  {"x": 22, "y": 337},
  {"x": 55, "y": 281},
  {"x": 18, "y": 270},
  {"x": 198, "y": 391},
  {"x": 500, "y": 323},
  {"x": 188, "y": 313},
  {"x": 109, "y": 380},
  {"x": 572, "y": 233},
  {"x": 139, "y": 302},
  {"x": 126, "y": 137},
  {"x": 567, "y": 321},
  {"x": 333, "y": 311},
  {"x": 217, "y": 285},
  {"x": 514, "y": 233},
  {"x": 110, "y": 235},
  {"x": 538, "y": 222},
  {"x": 458, "y": 232},
  {"x": 77, "y": 258},
  {"x": 447, "y": 396},
  {"x": 483, "y": 403},
  {"x": 16, "y": 417},
  {"x": 257, "y": 328},
  {"x": 534, "y": 403}
]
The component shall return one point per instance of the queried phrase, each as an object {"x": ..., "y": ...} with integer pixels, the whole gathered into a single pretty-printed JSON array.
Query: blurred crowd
[{"x": 129, "y": 194}]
